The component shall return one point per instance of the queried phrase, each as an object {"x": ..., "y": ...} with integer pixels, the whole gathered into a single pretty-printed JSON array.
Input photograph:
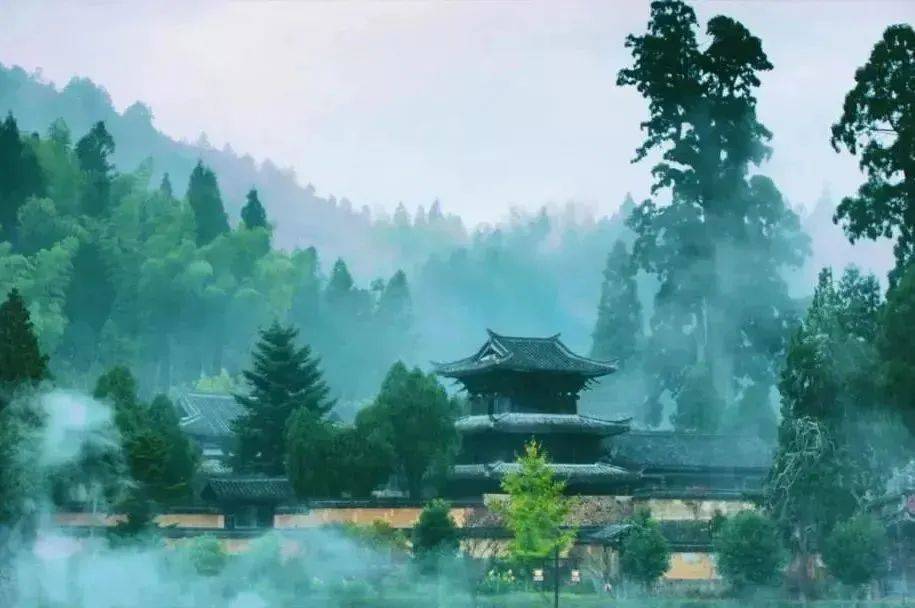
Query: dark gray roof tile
[{"x": 525, "y": 354}]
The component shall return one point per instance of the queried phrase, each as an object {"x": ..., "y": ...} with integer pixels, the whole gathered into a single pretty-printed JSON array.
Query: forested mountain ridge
[
  {"x": 412, "y": 285},
  {"x": 302, "y": 216}
]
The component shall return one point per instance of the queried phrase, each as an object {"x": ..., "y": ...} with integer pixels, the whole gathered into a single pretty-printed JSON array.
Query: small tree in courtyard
[
  {"x": 435, "y": 534},
  {"x": 644, "y": 554},
  {"x": 749, "y": 551},
  {"x": 856, "y": 550},
  {"x": 535, "y": 509}
]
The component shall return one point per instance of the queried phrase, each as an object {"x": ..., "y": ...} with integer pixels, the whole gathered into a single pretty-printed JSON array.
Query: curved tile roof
[
  {"x": 248, "y": 489},
  {"x": 516, "y": 422},
  {"x": 208, "y": 415},
  {"x": 598, "y": 471},
  {"x": 673, "y": 450},
  {"x": 525, "y": 354}
]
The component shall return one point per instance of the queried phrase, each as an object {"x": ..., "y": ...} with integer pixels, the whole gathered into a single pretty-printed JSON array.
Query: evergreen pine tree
[
  {"x": 618, "y": 330},
  {"x": 253, "y": 213},
  {"x": 165, "y": 187},
  {"x": 206, "y": 203},
  {"x": 340, "y": 284},
  {"x": 284, "y": 378},
  {"x": 20, "y": 177},
  {"x": 395, "y": 307},
  {"x": 93, "y": 152},
  {"x": 21, "y": 361}
]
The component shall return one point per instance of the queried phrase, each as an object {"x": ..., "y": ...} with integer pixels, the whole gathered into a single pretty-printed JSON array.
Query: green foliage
[
  {"x": 876, "y": 124},
  {"x": 284, "y": 378},
  {"x": 749, "y": 551},
  {"x": 618, "y": 332},
  {"x": 160, "y": 458},
  {"x": 312, "y": 453},
  {"x": 415, "y": 417},
  {"x": 93, "y": 152},
  {"x": 206, "y": 202},
  {"x": 206, "y": 555},
  {"x": 644, "y": 553},
  {"x": 435, "y": 534},
  {"x": 21, "y": 360},
  {"x": 535, "y": 510},
  {"x": 699, "y": 406},
  {"x": 856, "y": 551},
  {"x": 896, "y": 347},
  {"x": 253, "y": 213},
  {"x": 724, "y": 234},
  {"x": 379, "y": 536},
  {"x": 828, "y": 458},
  {"x": 20, "y": 177}
]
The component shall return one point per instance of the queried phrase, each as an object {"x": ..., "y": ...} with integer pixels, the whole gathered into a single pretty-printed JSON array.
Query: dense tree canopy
[
  {"x": 21, "y": 359},
  {"x": 618, "y": 332},
  {"x": 723, "y": 234},
  {"x": 415, "y": 417},
  {"x": 878, "y": 125},
  {"x": 284, "y": 378},
  {"x": 21, "y": 176}
]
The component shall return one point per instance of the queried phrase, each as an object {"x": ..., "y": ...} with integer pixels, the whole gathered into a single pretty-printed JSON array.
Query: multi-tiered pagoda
[{"x": 524, "y": 388}]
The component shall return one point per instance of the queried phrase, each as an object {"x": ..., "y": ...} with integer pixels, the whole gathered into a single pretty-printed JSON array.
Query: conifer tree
[
  {"x": 284, "y": 378},
  {"x": 165, "y": 187},
  {"x": 340, "y": 284},
  {"x": 20, "y": 177},
  {"x": 21, "y": 361},
  {"x": 253, "y": 213},
  {"x": 724, "y": 232},
  {"x": 94, "y": 152},
  {"x": 618, "y": 330},
  {"x": 206, "y": 203}
]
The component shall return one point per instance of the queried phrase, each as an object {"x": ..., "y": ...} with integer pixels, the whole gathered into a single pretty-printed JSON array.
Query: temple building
[{"x": 523, "y": 388}]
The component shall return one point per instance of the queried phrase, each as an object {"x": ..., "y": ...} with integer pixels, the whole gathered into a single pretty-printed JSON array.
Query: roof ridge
[{"x": 494, "y": 334}]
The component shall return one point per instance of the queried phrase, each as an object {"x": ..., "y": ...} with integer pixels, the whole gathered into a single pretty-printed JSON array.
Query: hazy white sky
[{"x": 482, "y": 104}]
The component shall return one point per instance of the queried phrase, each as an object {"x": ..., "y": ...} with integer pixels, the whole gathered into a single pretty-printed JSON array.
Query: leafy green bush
[
  {"x": 856, "y": 550},
  {"x": 644, "y": 553},
  {"x": 207, "y": 555},
  {"x": 749, "y": 550}
]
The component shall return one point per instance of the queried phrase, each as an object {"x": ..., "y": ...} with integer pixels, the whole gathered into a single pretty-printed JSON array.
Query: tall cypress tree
[
  {"x": 206, "y": 202},
  {"x": 94, "y": 152},
  {"x": 283, "y": 379},
  {"x": 618, "y": 330},
  {"x": 253, "y": 213},
  {"x": 21, "y": 361},
  {"x": 20, "y": 177},
  {"x": 723, "y": 233}
]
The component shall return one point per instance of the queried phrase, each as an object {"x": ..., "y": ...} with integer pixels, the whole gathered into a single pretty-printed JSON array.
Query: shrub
[
  {"x": 644, "y": 554},
  {"x": 856, "y": 550},
  {"x": 749, "y": 551}
]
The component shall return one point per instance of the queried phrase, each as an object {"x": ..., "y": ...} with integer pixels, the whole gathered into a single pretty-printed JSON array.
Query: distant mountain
[{"x": 301, "y": 217}]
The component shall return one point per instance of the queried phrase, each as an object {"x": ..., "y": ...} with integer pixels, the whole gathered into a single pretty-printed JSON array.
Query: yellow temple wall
[
  {"x": 397, "y": 517},
  {"x": 680, "y": 509},
  {"x": 690, "y": 566},
  {"x": 192, "y": 520}
]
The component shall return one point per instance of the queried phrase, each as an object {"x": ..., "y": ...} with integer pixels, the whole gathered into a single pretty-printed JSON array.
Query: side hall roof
[{"x": 208, "y": 415}]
